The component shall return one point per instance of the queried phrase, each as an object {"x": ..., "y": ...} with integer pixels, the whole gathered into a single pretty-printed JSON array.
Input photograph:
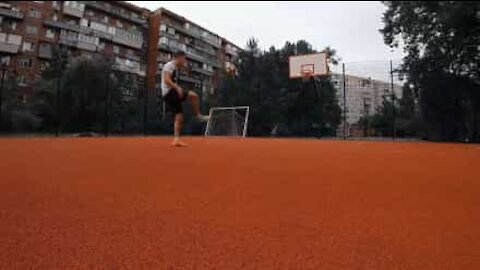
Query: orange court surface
[{"x": 137, "y": 203}]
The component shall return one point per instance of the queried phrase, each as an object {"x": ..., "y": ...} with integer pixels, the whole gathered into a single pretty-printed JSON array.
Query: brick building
[
  {"x": 207, "y": 53},
  {"x": 140, "y": 41}
]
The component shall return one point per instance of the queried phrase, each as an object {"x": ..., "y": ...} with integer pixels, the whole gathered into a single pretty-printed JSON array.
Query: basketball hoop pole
[{"x": 319, "y": 95}]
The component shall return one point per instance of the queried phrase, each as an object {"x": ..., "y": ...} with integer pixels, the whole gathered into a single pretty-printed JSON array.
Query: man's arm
[{"x": 168, "y": 80}]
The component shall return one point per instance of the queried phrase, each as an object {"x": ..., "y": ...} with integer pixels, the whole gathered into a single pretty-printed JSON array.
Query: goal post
[{"x": 228, "y": 121}]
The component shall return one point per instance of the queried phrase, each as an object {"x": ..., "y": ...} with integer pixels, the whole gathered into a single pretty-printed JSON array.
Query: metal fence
[
  {"x": 368, "y": 93},
  {"x": 368, "y": 102}
]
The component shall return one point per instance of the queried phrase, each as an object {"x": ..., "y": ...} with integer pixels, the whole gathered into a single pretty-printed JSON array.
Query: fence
[
  {"x": 369, "y": 95},
  {"x": 360, "y": 100}
]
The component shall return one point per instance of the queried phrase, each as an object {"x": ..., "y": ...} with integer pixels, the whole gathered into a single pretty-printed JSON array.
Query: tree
[
  {"x": 274, "y": 99},
  {"x": 440, "y": 39},
  {"x": 96, "y": 104},
  {"x": 16, "y": 113}
]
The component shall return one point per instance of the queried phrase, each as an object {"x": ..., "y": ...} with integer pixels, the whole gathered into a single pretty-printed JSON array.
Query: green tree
[
  {"x": 83, "y": 85},
  {"x": 17, "y": 115},
  {"x": 274, "y": 99},
  {"x": 441, "y": 40}
]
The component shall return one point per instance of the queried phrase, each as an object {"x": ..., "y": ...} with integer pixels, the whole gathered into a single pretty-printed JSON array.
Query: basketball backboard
[{"x": 308, "y": 65}]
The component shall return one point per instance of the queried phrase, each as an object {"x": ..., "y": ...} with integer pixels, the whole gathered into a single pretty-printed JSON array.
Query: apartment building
[
  {"x": 140, "y": 41},
  {"x": 32, "y": 30},
  {"x": 207, "y": 53},
  {"x": 364, "y": 96}
]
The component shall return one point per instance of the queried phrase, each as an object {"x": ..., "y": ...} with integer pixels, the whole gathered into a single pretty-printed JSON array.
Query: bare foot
[{"x": 178, "y": 143}]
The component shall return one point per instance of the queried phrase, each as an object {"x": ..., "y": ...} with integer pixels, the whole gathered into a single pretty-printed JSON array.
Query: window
[
  {"x": 116, "y": 49},
  {"x": 111, "y": 30},
  {"x": 101, "y": 45},
  {"x": 31, "y": 29},
  {"x": 22, "y": 80},
  {"x": 25, "y": 62},
  {"x": 74, "y": 4},
  {"x": 54, "y": 17},
  {"x": 84, "y": 22},
  {"x": 105, "y": 19},
  {"x": 3, "y": 37},
  {"x": 163, "y": 28},
  {"x": 34, "y": 13},
  {"x": 44, "y": 65},
  {"x": 28, "y": 46},
  {"x": 163, "y": 40},
  {"x": 98, "y": 26},
  {"x": 50, "y": 34},
  {"x": 13, "y": 26},
  {"x": 119, "y": 24},
  {"x": 55, "y": 5},
  {"x": 5, "y": 60}
]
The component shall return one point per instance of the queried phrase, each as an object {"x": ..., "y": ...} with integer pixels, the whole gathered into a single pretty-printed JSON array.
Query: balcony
[
  {"x": 214, "y": 62},
  {"x": 75, "y": 10},
  {"x": 164, "y": 59},
  {"x": 215, "y": 42},
  {"x": 169, "y": 36},
  {"x": 64, "y": 25},
  {"x": 128, "y": 66},
  {"x": 202, "y": 71},
  {"x": 11, "y": 13},
  {"x": 9, "y": 48},
  {"x": 131, "y": 39},
  {"x": 208, "y": 50},
  {"x": 102, "y": 7},
  {"x": 178, "y": 27},
  {"x": 73, "y": 41},
  {"x": 231, "y": 50},
  {"x": 117, "y": 35},
  {"x": 163, "y": 46},
  {"x": 195, "y": 56},
  {"x": 10, "y": 43},
  {"x": 132, "y": 57},
  {"x": 188, "y": 79}
]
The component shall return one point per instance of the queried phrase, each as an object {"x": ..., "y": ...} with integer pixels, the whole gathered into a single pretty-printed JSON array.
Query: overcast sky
[{"x": 349, "y": 27}]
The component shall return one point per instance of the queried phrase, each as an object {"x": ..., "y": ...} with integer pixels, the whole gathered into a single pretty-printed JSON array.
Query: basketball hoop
[
  {"x": 307, "y": 70},
  {"x": 308, "y": 65}
]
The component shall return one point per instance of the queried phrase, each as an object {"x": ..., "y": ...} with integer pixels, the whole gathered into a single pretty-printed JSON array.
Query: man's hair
[{"x": 179, "y": 54}]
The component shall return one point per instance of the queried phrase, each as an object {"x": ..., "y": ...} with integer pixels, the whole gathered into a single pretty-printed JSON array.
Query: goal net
[{"x": 228, "y": 121}]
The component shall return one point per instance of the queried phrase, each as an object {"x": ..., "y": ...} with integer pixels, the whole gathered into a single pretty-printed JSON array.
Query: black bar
[
  {"x": 345, "y": 127},
  {"x": 1, "y": 94},
  {"x": 145, "y": 110},
  {"x": 145, "y": 83},
  {"x": 59, "y": 77},
  {"x": 394, "y": 128},
  {"x": 106, "y": 112}
]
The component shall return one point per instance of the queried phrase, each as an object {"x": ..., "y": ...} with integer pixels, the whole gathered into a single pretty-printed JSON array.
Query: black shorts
[{"x": 173, "y": 103}]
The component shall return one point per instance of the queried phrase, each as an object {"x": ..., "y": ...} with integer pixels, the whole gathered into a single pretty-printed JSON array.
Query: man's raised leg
[{"x": 195, "y": 101}]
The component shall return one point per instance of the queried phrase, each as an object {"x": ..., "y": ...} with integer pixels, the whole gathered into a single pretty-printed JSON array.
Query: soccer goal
[{"x": 228, "y": 121}]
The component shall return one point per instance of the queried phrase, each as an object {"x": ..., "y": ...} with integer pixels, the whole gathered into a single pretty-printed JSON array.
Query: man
[{"x": 174, "y": 95}]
